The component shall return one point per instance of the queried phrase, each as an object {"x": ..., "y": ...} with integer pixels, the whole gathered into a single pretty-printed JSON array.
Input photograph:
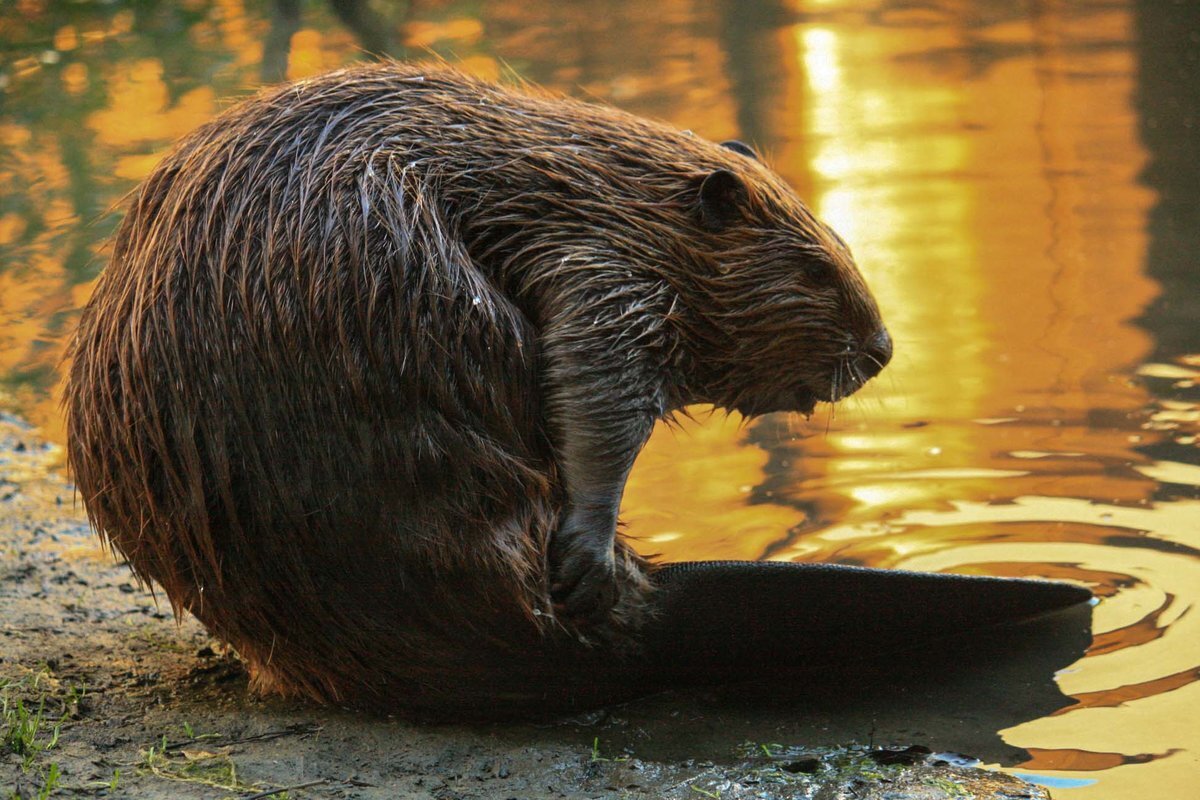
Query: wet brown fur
[{"x": 308, "y": 396}]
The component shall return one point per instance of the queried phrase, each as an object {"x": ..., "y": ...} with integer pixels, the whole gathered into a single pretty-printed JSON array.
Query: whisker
[
  {"x": 833, "y": 381},
  {"x": 833, "y": 395},
  {"x": 874, "y": 360}
]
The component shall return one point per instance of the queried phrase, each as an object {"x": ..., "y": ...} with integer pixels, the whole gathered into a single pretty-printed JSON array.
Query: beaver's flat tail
[
  {"x": 716, "y": 623},
  {"x": 718, "y": 620}
]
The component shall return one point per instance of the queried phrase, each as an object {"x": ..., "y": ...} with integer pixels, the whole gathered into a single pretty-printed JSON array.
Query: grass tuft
[{"x": 24, "y": 731}]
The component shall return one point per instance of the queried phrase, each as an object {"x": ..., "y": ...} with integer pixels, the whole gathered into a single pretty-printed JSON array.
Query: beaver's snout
[
  {"x": 858, "y": 365},
  {"x": 874, "y": 355}
]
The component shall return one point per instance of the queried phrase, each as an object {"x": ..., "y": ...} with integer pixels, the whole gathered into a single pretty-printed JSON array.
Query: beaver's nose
[{"x": 875, "y": 354}]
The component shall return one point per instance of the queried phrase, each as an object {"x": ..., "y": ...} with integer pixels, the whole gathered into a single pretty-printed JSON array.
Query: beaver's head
[{"x": 790, "y": 318}]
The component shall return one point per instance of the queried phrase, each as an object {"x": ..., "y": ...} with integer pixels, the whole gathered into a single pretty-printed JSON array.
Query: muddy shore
[{"x": 105, "y": 695}]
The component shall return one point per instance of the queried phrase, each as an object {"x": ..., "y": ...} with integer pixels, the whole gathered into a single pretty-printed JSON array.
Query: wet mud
[{"x": 105, "y": 695}]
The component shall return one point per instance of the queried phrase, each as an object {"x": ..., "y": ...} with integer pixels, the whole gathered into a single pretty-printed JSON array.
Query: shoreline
[{"x": 133, "y": 704}]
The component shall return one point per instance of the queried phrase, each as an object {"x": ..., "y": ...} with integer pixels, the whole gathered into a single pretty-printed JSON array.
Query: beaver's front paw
[{"x": 583, "y": 579}]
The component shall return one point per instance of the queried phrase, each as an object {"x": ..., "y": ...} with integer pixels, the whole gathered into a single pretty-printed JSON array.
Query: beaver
[{"x": 363, "y": 381}]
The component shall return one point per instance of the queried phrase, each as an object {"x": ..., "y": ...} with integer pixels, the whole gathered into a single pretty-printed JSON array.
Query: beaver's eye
[{"x": 819, "y": 270}]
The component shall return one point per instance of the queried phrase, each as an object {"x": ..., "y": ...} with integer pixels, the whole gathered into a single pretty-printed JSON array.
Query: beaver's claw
[{"x": 583, "y": 579}]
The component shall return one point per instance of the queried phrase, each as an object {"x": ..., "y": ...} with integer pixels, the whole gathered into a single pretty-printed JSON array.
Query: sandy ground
[{"x": 105, "y": 695}]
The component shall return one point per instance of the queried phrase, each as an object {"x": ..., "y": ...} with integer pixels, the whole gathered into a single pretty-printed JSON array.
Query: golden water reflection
[{"x": 981, "y": 160}]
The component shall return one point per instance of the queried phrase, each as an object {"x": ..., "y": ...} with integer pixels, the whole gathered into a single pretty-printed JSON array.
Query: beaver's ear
[
  {"x": 741, "y": 148},
  {"x": 722, "y": 195}
]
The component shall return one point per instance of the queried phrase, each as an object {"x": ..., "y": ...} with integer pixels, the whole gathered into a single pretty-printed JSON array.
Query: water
[{"x": 1020, "y": 184}]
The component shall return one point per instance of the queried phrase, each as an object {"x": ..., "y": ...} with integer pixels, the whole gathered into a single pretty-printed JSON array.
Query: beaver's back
[{"x": 297, "y": 404}]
